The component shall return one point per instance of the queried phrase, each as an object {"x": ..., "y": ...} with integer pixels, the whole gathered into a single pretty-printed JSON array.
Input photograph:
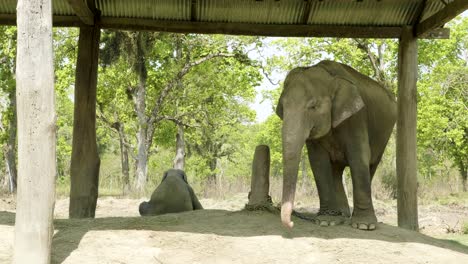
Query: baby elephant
[{"x": 173, "y": 195}]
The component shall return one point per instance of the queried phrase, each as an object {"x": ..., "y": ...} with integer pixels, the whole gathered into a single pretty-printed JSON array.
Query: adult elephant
[
  {"x": 345, "y": 119},
  {"x": 173, "y": 195}
]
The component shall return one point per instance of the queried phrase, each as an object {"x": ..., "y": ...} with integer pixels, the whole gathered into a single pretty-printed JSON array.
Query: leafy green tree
[
  {"x": 156, "y": 83},
  {"x": 115, "y": 111},
  {"x": 8, "y": 102},
  {"x": 65, "y": 53},
  {"x": 214, "y": 103},
  {"x": 443, "y": 101}
]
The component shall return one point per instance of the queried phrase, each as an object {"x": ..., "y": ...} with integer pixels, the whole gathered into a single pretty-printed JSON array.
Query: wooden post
[
  {"x": 36, "y": 133},
  {"x": 85, "y": 159},
  {"x": 406, "y": 160},
  {"x": 260, "y": 184}
]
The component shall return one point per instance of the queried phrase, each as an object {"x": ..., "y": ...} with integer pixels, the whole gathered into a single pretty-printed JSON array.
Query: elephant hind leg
[
  {"x": 341, "y": 198},
  {"x": 196, "y": 205}
]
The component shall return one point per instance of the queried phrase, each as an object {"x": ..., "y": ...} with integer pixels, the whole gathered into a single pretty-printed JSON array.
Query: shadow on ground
[{"x": 224, "y": 223}]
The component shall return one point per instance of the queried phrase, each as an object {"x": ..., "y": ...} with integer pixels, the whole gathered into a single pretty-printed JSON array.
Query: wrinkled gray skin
[
  {"x": 345, "y": 119},
  {"x": 173, "y": 195}
]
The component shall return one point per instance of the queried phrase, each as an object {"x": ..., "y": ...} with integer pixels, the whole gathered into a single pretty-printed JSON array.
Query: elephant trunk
[{"x": 293, "y": 141}]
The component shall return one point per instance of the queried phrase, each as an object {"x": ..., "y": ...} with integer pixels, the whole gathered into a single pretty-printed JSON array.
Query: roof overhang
[{"x": 305, "y": 18}]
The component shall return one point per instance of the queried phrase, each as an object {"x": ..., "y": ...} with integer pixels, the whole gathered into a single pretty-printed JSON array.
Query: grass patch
[{"x": 454, "y": 199}]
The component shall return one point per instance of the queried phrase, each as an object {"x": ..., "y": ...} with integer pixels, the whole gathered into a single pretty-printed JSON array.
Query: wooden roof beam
[
  {"x": 58, "y": 21},
  {"x": 193, "y": 10},
  {"x": 419, "y": 13},
  {"x": 307, "y": 10},
  {"x": 437, "y": 20},
  {"x": 249, "y": 28},
  {"x": 8, "y": 19},
  {"x": 237, "y": 28},
  {"x": 83, "y": 11}
]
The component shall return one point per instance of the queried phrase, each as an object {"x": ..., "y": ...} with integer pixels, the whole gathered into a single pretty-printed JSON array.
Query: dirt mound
[{"x": 224, "y": 236}]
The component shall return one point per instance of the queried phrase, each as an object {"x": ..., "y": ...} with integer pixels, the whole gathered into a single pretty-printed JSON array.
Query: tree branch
[
  {"x": 374, "y": 61},
  {"x": 115, "y": 126},
  {"x": 153, "y": 118},
  {"x": 187, "y": 67}
]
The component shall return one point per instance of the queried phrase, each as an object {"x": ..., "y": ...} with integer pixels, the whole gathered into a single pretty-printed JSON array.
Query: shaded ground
[{"x": 223, "y": 234}]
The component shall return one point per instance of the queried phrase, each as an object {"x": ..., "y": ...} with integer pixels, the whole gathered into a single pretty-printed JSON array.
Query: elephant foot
[
  {"x": 329, "y": 218},
  {"x": 364, "y": 220}
]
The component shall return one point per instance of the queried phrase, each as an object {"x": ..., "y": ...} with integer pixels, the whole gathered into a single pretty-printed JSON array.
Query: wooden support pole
[
  {"x": 406, "y": 160},
  {"x": 85, "y": 159},
  {"x": 260, "y": 184},
  {"x": 36, "y": 133}
]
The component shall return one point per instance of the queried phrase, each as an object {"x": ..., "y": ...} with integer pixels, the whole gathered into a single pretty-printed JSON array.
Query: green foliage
[
  {"x": 65, "y": 52},
  {"x": 443, "y": 101},
  {"x": 7, "y": 79},
  {"x": 270, "y": 134},
  {"x": 7, "y": 94},
  {"x": 184, "y": 84}
]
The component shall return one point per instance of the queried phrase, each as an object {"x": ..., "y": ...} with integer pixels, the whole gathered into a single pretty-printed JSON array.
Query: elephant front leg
[
  {"x": 329, "y": 212},
  {"x": 363, "y": 213}
]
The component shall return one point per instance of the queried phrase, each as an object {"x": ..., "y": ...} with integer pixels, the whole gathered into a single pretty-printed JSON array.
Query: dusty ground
[{"x": 224, "y": 234}]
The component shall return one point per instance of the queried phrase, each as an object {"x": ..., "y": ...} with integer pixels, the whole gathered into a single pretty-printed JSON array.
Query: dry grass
[{"x": 445, "y": 190}]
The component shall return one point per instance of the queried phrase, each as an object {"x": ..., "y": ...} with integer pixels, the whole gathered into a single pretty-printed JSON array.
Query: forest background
[{"x": 171, "y": 100}]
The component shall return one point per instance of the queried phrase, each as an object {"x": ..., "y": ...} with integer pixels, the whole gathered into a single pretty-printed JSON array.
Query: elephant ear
[
  {"x": 184, "y": 176},
  {"x": 346, "y": 101},
  {"x": 164, "y": 176},
  {"x": 279, "y": 109}
]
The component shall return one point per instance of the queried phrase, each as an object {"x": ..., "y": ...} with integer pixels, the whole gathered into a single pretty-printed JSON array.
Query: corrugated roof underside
[
  {"x": 7, "y": 6},
  {"x": 432, "y": 6},
  {"x": 149, "y": 9},
  {"x": 377, "y": 13},
  {"x": 338, "y": 12},
  {"x": 251, "y": 11},
  {"x": 61, "y": 7}
]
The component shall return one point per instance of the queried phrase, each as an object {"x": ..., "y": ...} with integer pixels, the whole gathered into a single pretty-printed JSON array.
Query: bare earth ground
[{"x": 225, "y": 234}]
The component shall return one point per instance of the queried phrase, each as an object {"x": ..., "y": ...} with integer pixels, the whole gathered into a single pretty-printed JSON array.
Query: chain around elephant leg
[{"x": 328, "y": 217}]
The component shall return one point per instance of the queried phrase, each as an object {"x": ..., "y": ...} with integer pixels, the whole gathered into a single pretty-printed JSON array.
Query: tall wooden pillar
[
  {"x": 36, "y": 133},
  {"x": 406, "y": 160},
  {"x": 85, "y": 159}
]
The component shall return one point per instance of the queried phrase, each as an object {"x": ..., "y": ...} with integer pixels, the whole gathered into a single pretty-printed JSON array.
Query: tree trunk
[
  {"x": 179, "y": 160},
  {"x": 85, "y": 160},
  {"x": 212, "y": 164},
  {"x": 123, "y": 156},
  {"x": 140, "y": 107},
  {"x": 10, "y": 148},
  {"x": 406, "y": 158},
  {"x": 463, "y": 174},
  {"x": 142, "y": 155},
  {"x": 36, "y": 133}
]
